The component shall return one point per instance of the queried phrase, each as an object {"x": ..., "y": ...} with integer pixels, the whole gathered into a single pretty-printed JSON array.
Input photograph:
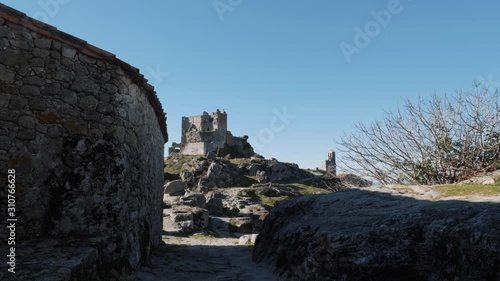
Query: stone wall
[{"x": 85, "y": 134}]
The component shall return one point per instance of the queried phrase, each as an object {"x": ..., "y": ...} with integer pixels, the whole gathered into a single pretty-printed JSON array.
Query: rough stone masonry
[{"x": 85, "y": 134}]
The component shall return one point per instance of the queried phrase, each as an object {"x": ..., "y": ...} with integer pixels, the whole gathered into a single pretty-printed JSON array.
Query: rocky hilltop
[
  {"x": 199, "y": 188},
  {"x": 383, "y": 233}
]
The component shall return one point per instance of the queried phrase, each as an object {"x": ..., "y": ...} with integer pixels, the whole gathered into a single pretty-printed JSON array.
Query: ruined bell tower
[{"x": 330, "y": 165}]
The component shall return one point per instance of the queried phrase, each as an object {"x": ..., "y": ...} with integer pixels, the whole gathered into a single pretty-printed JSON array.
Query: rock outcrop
[
  {"x": 201, "y": 174},
  {"x": 375, "y": 234}
]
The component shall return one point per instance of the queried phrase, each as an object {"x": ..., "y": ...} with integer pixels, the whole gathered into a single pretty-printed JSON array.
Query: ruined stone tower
[
  {"x": 329, "y": 165},
  {"x": 206, "y": 133},
  {"x": 203, "y": 133}
]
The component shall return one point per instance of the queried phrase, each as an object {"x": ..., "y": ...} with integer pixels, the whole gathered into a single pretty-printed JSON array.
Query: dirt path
[{"x": 202, "y": 257}]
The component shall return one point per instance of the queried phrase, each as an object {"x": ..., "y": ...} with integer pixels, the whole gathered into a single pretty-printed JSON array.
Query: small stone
[
  {"x": 52, "y": 64},
  {"x": 43, "y": 43},
  {"x": 41, "y": 128},
  {"x": 488, "y": 181},
  {"x": 111, "y": 88},
  {"x": 4, "y": 31},
  {"x": 26, "y": 135},
  {"x": 54, "y": 132},
  {"x": 17, "y": 102},
  {"x": 247, "y": 239},
  {"x": 4, "y": 100},
  {"x": 86, "y": 59},
  {"x": 88, "y": 103},
  {"x": 38, "y": 104},
  {"x": 9, "y": 89},
  {"x": 67, "y": 62},
  {"x": 80, "y": 70},
  {"x": 85, "y": 85},
  {"x": 40, "y": 53},
  {"x": 27, "y": 122},
  {"x": 6, "y": 74},
  {"x": 8, "y": 116},
  {"x": 118, "y": 133},
  {"x": 38, "y": 62},
  {"x": 29, "y": 90},
  {"x": 131, "y": 138},
  {"x": 56, "y": 45},
  {"x": 63, "y": 75},
  {"x": 69, "y": 97},
  {"x": 105, "y": 98},
  {"x": 68, "y": 52},
  {"x": 33, "y": 80},
  {"x": 20, "y": 44},
  {"x": 55, "y": 54},
  {"x": 5, "y": 141},
  {"x": 52, "y": 89}
]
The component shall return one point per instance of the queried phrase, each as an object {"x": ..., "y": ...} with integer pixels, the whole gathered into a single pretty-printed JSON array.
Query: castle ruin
[{"x": 207, "y": 133}]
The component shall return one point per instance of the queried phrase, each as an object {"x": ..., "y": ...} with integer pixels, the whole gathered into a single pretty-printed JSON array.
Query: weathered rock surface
[
  {"x": 247, "y": 239},
  {"x": 201, "y": 174},
  {"x": 486, "y": 179},
  {"x": 374, "y": 234},
  {"x": 184, "y": 219},
  {"x": 352, "y": 180},
  {"x": 175, "y": 187},
  {"x": 273, "y": 190}
]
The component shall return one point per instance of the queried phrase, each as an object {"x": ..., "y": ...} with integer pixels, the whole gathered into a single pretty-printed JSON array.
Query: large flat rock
[{"x": 379, "y": 234}]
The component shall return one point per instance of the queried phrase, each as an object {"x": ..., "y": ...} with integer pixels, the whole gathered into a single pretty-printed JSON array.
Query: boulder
[
  {"x": 241, "y": 224},
  {"x": 218, "y": 175},
  {"x": 191, "y": 171},
  {"x": 194, "y": 200},
  {"x": 373, "y": 234},
  {"x": 214, "y": 203},
  {"x": 283, "y": 171},
  {"x": 185, "y": 219},
  {"x": 247, "y": 239},
  {"x": 211, "y": 155},
  {"x": 261, "y": 176},
  {"x": 175, "y": 187},
  {"x": 486, "y": 180},
  {"x": 352, "y": 180}
]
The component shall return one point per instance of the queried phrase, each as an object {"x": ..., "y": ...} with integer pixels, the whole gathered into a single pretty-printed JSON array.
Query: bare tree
[{"x": 442, "y": 140}]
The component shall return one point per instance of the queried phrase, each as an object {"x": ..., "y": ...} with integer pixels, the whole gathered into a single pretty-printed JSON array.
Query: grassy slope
[
  {"x": 174, "y": 166},
  {"x": 468, "y": 189}
]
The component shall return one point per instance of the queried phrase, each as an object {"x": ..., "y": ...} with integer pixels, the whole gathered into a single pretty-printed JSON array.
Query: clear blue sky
[{"x": 252, "y": 57}]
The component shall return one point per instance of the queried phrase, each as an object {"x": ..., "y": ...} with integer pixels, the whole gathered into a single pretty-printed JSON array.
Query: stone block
[
  {"x": 69, "y": 97},
  {"x": 40, "y": 53},
  {"x": 30, "y": 90},
  {"x": 34, "y": 80},
  {"x": 88, "y": 103},
  {"x": 38, "y": 104},
  {"x": 43, "y": 43},
  {"x": 51, "y": 89},
  {"x": 6, "y": 75},
  {"x": 27, "y": 122}
]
